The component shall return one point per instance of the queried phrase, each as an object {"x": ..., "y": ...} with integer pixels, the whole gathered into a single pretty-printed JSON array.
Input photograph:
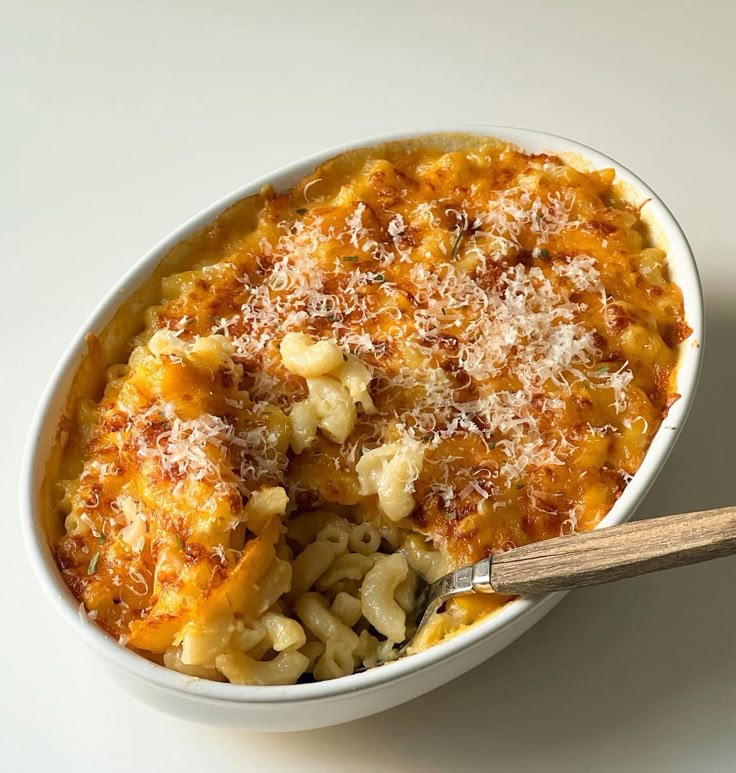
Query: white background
[{"x": 120, "y": 120}]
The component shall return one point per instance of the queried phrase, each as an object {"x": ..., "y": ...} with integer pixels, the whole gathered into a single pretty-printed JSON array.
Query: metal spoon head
[{"x": 431, "y": 597}]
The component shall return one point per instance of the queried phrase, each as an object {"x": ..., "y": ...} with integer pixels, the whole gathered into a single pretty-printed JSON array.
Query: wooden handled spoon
[{"x": 589, "y": 558}]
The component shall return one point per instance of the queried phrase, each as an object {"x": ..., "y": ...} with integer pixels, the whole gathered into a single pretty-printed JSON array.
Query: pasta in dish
[{"x": 421, "y": 353}]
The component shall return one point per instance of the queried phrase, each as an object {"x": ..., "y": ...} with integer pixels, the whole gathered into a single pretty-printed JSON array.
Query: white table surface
[{"x": 119, "y": 120}]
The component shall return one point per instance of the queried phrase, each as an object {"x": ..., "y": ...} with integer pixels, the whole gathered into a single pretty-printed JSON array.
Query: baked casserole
[{"x": 422, "y": 353}]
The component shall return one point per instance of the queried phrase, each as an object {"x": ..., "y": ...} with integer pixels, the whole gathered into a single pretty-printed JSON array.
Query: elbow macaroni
[
  {"x": 263, "y": 505},
  {"x": 390, "y": 472},
  {"x": 336, "y": 384},
  {"x": 308, "y": 358},
  {"x": 213, "y": 352},
  {"x": 239, "y": 668},
  {"x": 283, "y": 632},
  {"x": 377, "y": 595}
]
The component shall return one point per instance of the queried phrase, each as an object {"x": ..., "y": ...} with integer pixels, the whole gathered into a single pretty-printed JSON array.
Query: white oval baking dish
[{"x": 301, "y": 707}]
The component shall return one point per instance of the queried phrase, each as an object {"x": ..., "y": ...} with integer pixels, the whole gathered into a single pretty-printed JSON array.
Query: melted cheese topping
[{"x": 509, "y": 340}]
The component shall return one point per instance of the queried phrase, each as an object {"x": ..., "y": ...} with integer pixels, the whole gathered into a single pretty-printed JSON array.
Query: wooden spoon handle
[{"x": 614, "y": 553}]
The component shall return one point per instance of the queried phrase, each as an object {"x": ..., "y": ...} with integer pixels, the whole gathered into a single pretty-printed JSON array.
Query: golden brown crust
[{"x": 409, "y": 257}]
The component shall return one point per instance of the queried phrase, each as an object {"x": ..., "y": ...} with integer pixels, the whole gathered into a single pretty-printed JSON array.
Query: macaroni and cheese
[{"x": 420, "y": 354}]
